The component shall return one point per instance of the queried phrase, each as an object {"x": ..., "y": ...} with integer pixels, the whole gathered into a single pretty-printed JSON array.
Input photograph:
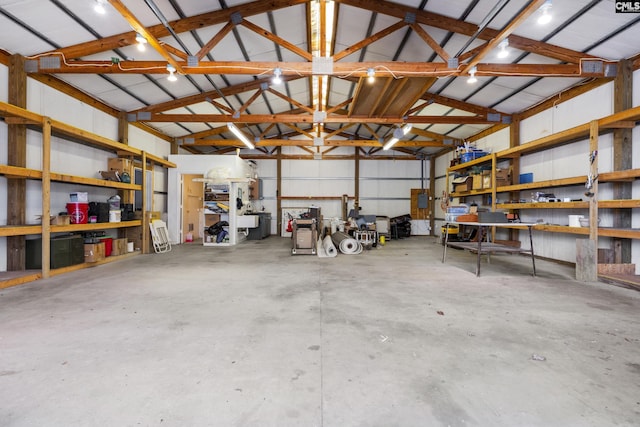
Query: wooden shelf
[
  {"x": 619, "y": 176},
  {"x": 95, "y": 226},
  {"x": 17, "y": 172},
  {"x": 475, "y": 162},
  {"x": 19, "y": 230},
  {"x": 622, "y": 233},
  {"x": 472, "y": 193},
  {"x": 544, "y": 205}
]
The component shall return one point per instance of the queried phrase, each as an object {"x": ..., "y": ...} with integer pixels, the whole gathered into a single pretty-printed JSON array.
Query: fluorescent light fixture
[
  {"x": 172, "y": 70},
  {"x": 472, "y": 75},
  {"x": 99, "y": 7},
  {"x": 371, "y": 75},
  {"x": 141, "y": 42},
  {"x": 545, "y": 17},
  {"x": 398, "y": 133},
  {"x": 241, "y": 136},
  {"x": 277, "y": 72},
  {"x": 390, "y": 143},
  {"x": 503, "y": 49}
]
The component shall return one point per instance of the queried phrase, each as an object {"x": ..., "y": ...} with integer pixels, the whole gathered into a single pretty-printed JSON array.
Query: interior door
[{"x": 191, "y": 206}]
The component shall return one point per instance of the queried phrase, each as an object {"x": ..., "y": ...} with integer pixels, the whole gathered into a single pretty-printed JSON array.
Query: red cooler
[{"x": 79, "y": 212}]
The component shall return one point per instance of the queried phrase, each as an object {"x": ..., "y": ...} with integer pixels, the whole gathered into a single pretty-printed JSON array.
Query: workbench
[{"x": 481, "y": 247}]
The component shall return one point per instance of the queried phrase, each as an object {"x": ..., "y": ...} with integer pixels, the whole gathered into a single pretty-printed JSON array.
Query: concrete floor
[{"x": 252, "y": 336}]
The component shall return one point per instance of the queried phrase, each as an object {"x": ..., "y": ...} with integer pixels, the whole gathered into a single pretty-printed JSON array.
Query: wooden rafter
[
  {"x": 215, "y": 40},
  {"x": 531, "y": 8},
  {"x": 142, "y": 30},
  {"x": 250, "y": 101},
  {"x": 465, "y": 28},
  {"x": 371, "y": 39},
  {"x": 278, "y": 40},
  {"x": 290, "y": 100},
  {"x": 430, "y": 41}
]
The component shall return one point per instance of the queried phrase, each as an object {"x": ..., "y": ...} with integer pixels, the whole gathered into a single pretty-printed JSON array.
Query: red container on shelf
[
  {"x": 79, "y": 212},
  {"x": 108, "y": 245}
]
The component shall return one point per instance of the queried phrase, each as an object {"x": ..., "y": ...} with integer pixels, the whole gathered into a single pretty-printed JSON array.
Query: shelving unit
[
  {"x": 588, "y": 131},
  {"x": 211, "y": 218},
  {"x": 50, "y": 127},
  {"x": 578, "y": 133}
]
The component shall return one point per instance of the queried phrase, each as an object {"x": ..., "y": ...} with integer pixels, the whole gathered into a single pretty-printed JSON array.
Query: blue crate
[
  {"x": 472, "y": 155},
  {"x": 526, "y": 178}
]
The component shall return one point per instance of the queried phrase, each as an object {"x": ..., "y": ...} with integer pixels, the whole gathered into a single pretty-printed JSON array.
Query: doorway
[{"x": 191, "y": 206}]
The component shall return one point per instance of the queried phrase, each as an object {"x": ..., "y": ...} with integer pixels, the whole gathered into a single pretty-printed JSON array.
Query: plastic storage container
[{"x": 472, "y": 155}]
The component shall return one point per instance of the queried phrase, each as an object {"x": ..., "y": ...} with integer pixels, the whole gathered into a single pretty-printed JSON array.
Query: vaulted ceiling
[{"x": 352, "y": 71}]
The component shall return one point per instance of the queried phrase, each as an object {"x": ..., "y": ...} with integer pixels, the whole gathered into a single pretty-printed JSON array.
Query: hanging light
[
  {"x": 472, "y": 75},
  {"x": 371, "y": 75},
  {"x": 545, "y": 17},
  {"x": 172, "y": 73},
  {"x": 99, "y": 7},
  {"x": 240, "y": 135},
  {"x": 503, "y": 49},
  {"x": 277, "y": 72},
  {"x": 141, "y": 42}
]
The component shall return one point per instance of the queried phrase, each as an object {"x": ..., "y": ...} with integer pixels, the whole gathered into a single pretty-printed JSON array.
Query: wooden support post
[
  {"x": 514, "y": 141},
  {"x": 123, "y": 128},
  {"x": 586, "y": 249},
  {"x": 432, "y": 193},
  {"x": 622, "y": 155},
  {"x": 356, "y": 178},
  {"x": 279, "y": 189},
  {"x": 17, "y": 156},
  {"x": 46, "y": 197},
  {"x": 145, "y": 208}
]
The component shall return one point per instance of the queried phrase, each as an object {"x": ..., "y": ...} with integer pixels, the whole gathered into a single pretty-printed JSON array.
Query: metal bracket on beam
[
  {"x": 144, "y": 115},
  {"x": 192, "y": 61},
  {"x": 49, "y": 62},
  {"x": 506, "y": 120},
  {"x": 319, "y": 116},
  {"x": 493, "y": 117},
  {"x": 31, "y": 66},
  {"x": 236, "y": 114},
  {"x": 318, "y": 141},
  {"x": 592, "y": 66},
  {"x": 410, "y": 18},
  {"x": 189, "y": 140},
  {"x": 317, "y": 156},
  {"x": 131, "y": 117},
  {"x": 452, "y": 63},
  {"x": 323, "y": 66},
  {"x": 236, "y": 18}
]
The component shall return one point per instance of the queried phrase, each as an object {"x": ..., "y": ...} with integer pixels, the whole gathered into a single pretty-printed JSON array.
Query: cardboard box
[
  {"x": 79, "y": 197},
  {"x": 477, "y": 182},
  {"x": 119, "y": 247},
  {"x": 121, "y": 165},
  {"x": 503, "y": 176},
  {"x": 61, "y": 220},
  {"x": 94, "y": 252},
  {"x": 462, "y": 184}
]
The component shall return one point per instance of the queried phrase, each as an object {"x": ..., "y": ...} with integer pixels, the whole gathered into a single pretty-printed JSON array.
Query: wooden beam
[
  {"x": 369, "y": 40},
  {"x": 215, "y": 40},
  {"x": 430, "y": 41},
  {"x": 142, "y": 30},
  {"x": 278, "y": 40},
  {"x": 307, "y": 118},
  {"x": 250, "y": 101},
  {"x": 465, "y": 28},
  {"x": 191, "y": 23},
  {"x": 530, "y": 9},
  {"x": 340, "y": 69},
  {"x": 290, "y": 100}
]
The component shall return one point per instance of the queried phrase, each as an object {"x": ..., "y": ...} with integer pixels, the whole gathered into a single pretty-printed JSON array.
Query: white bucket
[
  {"x": 129, "y": 246},
  {"x": 574, "y": 220},
  {"x": 115, "y": 216}
]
